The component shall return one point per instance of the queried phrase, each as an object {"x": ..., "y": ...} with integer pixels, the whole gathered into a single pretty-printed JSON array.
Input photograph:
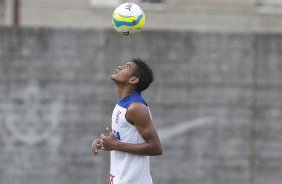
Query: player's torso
[
  {"x": 127, "y": 168},
  {"x": 123, "y": 130}
]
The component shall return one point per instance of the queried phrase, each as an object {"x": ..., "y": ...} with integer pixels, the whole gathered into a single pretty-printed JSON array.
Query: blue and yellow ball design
[{"x": 128, "y": 19}]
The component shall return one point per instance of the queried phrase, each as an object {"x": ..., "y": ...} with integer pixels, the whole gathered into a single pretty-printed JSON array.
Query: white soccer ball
[{"x": 128, "y": 19}]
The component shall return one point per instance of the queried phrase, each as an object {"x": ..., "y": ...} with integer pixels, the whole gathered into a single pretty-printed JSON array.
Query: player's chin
[{"x": 113, "y": 76}]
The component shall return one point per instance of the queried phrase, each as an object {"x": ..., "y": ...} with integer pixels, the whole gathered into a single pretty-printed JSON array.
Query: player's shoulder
[
  {"x": 137, "y": 112},
  {"x": 137, "y": 107}
]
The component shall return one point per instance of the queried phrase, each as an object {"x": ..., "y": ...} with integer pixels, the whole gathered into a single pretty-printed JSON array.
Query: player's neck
[{"x": 122, "y": 93}]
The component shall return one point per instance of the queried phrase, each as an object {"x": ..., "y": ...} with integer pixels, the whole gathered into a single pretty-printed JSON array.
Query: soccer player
[{"x": 133, "y": 137}]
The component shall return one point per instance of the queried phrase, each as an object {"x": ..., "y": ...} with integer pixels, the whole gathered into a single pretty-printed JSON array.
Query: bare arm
[{"x": 138, "y": 114}]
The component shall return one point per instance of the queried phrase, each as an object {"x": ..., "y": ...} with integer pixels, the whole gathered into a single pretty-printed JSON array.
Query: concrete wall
[
  {"x": 196, "y": 15},
  {"x": 2, "y": 11},
  {"x": 216, "y": 102}
]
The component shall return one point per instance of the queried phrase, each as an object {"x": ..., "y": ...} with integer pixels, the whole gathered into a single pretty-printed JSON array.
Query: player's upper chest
[{"x": 118, "y": 117}]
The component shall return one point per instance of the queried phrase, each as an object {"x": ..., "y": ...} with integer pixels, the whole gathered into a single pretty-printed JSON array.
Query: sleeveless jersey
[{"x": 128, "y": 168}]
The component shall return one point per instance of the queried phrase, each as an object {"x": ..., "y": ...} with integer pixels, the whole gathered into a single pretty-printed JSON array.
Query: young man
[{"x": 133, "y": 137}]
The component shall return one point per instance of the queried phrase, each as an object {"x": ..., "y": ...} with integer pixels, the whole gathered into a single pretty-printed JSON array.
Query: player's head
[
  {"x": 136, "y": 74},
  {"x": 144, "y": 73}
]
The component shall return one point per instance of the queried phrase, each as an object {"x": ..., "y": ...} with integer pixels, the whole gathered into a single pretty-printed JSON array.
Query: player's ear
[{"x": 134, "y": 80}]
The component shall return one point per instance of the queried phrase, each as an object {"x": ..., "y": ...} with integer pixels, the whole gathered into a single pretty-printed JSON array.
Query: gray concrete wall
[
  {"x": 222, "y": 90},
  {"x": 2, "y": 11},
  {"x": 197, "y": 15}
]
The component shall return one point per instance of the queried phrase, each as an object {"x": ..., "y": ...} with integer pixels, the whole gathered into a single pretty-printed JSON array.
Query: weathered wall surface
[
  {"x": 222, "y": 90},
  {"x": 197, "y": 15},
  {"x": 2, "y": 10}
]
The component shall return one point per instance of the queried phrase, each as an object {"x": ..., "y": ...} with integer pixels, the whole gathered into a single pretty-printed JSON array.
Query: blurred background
[{"x": 216, "y": 99}]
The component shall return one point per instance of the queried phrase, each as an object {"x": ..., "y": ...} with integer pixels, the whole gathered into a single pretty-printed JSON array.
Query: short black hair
[{"x": 144, "y": 73}]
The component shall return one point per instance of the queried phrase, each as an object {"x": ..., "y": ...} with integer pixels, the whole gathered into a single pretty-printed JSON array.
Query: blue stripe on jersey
[{"x": 134, "y": 97}]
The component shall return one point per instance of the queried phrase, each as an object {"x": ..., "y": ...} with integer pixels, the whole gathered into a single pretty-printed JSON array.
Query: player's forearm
[{"x": 140, "y": 149}]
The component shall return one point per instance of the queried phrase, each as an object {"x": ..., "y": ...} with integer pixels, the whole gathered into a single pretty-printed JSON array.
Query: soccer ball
[{"x": 128, "y": 19}]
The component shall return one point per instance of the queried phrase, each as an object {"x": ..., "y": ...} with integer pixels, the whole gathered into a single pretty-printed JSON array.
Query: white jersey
[{"x": 128, "y": 168}]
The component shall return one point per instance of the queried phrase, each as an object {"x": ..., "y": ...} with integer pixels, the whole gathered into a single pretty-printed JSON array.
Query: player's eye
[
  {"x": 127, "y": 66},
  {"x": 121, "y": 67}
]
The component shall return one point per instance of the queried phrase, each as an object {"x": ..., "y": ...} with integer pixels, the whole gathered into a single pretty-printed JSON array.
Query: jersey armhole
[{"x": 130, "y": 122}]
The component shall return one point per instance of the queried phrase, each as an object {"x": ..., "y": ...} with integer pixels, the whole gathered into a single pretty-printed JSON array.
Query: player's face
[{"x": 123, "y": 73}]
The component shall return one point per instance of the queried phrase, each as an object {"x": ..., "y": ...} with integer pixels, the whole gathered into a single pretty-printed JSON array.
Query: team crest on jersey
[
  {"x": 117, "y": 135},
  {"x": 117, "y": 116}
]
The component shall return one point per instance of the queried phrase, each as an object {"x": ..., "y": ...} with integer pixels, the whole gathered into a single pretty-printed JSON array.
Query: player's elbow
[{"x": 157, "y": 151}]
